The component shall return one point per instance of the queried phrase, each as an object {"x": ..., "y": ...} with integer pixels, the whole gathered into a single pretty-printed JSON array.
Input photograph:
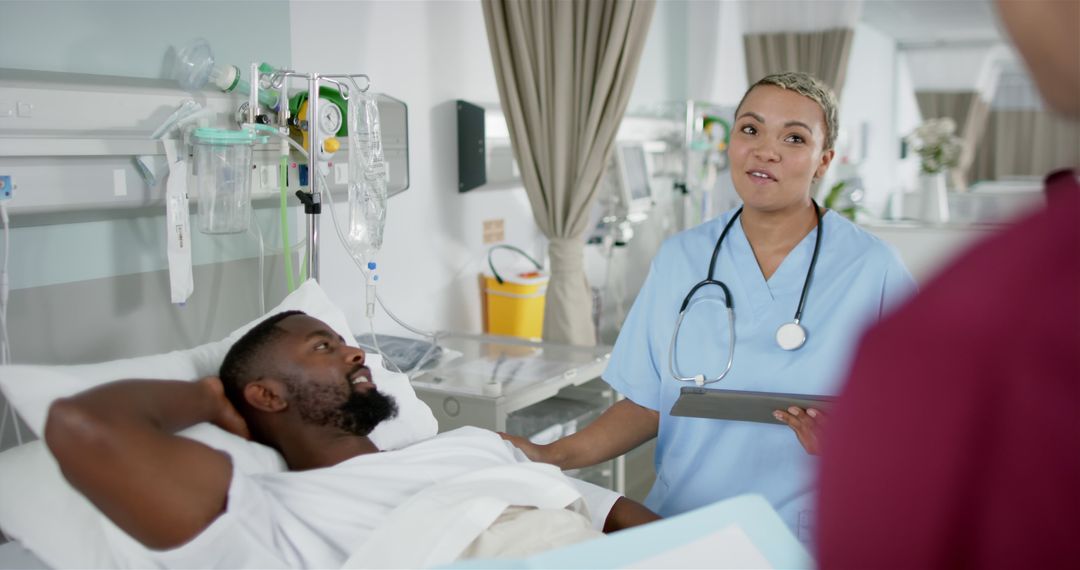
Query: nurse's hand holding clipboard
[{"x": 806, "y": 423}]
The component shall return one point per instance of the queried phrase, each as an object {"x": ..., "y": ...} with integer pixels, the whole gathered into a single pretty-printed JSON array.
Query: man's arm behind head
[{"x": 116, "y": 445}]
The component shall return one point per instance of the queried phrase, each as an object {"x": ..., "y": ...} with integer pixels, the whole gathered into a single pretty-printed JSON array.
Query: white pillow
[{"x": 42, "y": 511}]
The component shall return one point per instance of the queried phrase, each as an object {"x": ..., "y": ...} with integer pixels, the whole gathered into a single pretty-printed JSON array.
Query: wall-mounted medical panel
[{"x": 74, "y": 143}]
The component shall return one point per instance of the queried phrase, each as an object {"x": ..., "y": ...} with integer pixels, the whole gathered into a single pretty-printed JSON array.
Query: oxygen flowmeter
[{"x": 330, "y": 122}]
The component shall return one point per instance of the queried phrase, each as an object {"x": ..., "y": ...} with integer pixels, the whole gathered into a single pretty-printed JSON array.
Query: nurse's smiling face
[{"x": 777, "y": 149}]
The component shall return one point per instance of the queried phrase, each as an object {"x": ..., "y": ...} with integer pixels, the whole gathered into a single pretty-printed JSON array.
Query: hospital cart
[{"x": 539, "y": 390}]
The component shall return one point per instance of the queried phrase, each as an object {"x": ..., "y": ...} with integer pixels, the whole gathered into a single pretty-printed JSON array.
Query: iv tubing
[
  {"x": 337, "y": 228},
  {"x": 262, "y": 254},
  {"x": 283, "y": 173},
  {"x": 283, "y": 180},
  {"x": 434, "y": 336},
  {"x": 369, "y": 288},
  {"x": 369, "y": 284}
]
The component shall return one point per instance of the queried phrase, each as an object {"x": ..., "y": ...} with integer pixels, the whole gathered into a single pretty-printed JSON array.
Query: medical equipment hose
[
  {"x": 283, "y": 174},
  {"x": 262, "y": 261},
  {"x": 367, "y": 276},
  {"x": 371, "y": 290},
  {"x": 341, "y": 237}
]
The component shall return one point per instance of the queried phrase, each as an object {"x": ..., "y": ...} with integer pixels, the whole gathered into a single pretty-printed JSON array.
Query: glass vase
[{"x": 934, "y": 197}]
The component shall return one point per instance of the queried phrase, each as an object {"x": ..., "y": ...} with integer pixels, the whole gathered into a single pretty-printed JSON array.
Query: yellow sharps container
[{"x": 514, "y": 302}]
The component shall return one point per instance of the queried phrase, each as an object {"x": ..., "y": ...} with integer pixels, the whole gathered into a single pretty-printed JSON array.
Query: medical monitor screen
[{"x": 636, "y": 173}]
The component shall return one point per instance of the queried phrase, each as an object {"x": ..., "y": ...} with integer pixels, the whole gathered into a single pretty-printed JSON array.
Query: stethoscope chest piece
[{"x": 790, "y": 336}]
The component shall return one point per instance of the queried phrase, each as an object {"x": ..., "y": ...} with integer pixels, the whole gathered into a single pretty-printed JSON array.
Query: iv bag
[{"x": 367, "y": 176}]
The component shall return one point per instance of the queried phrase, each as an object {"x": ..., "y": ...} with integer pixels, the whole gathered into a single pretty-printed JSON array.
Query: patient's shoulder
[
  {"x": 464, "y": 436},
  {"x": 469, "y": 435}
]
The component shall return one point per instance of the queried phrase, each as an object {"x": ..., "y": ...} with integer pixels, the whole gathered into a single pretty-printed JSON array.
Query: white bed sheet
[{"x": 13, "y": 556}]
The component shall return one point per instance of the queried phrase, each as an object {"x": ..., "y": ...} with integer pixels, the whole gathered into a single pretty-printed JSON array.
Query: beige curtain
[
  {"x": 1026, "y": 142},
  {"x": 969, "y": 110},
  {"x": 565, "y": 71},
  {"x": 823, "y": 54}
]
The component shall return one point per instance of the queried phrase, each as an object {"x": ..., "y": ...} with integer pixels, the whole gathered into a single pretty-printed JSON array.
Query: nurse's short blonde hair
[{"x": 810, "y": 87}]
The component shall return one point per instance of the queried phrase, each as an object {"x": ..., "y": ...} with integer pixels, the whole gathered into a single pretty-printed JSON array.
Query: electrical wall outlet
[
  {"x": 494, "y": 231},
  {"x": 7, "y": 187}
]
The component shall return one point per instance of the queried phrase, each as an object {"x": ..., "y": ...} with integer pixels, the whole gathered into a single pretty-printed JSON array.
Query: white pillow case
[{"x": 39, "y": 508}]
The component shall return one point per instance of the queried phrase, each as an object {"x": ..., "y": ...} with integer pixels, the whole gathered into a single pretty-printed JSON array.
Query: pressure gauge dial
[{"x": 330, "y": 119}]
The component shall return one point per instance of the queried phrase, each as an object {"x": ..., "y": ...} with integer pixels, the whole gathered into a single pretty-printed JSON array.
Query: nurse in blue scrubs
[{"x": 782, "y": 142}]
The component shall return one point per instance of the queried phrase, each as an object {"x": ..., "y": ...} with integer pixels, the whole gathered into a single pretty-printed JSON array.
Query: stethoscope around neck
[{"x": 790, "y": 336}]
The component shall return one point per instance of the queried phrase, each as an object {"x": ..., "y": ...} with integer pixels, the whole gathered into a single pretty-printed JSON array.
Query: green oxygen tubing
[{"x": 282, "y": 180}]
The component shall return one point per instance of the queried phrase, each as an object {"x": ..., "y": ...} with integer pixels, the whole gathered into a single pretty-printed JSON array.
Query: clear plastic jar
[{"x": 222, "y": 171}]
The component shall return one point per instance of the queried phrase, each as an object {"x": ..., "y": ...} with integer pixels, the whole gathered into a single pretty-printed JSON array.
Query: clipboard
[{"x": 742, "y": 406}]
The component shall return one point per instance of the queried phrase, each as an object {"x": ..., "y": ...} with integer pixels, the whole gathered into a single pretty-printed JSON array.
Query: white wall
[
  {"x": 908, "y": 116},
  {"x": 869, "y": 98},
  {"x": 730, "y": 82},
  {"x": 694, "y": 50},
  {"x": 663, "y": 72},
  {"x": 427, "y": 54}
]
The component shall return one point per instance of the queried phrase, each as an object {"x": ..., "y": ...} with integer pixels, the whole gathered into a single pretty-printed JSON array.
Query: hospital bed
[
  {"x": 740, "y": 533},
  {"x": 54, "y": 526}
]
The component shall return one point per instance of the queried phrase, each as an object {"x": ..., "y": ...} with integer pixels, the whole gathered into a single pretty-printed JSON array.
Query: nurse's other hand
[
  {"x": 533, "y": 451},
  {"x": 806, "y": 424}
]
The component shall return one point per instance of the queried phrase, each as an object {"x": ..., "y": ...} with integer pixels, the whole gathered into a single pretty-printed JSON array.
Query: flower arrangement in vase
[
  {"x": 938, "y": 149},
  {"x": 936, "y": 144}
]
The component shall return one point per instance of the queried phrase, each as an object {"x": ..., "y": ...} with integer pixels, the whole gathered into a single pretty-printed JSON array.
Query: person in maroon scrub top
[{"x": 956, "y": 442}]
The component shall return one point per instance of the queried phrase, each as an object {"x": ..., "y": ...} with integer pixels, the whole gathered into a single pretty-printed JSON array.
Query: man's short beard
[{"x": 358, "y": 415}]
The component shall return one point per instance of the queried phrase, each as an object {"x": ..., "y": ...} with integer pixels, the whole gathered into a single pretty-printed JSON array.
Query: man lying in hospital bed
[
  {"x": 426, "y": 502},
  {"x": 461, "y": 494},
  {"x": 295, "y": 385}
]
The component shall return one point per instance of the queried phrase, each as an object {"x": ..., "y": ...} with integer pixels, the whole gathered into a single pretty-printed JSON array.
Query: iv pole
[{"x": 312, "y": 198}]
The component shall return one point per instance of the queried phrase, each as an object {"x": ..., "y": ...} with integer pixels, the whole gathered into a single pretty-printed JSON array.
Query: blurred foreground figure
[{"x": 956, "y": 442}]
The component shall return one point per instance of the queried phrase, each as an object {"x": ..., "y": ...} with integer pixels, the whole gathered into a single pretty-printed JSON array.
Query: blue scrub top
[{"x": 700, "y": 461}]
